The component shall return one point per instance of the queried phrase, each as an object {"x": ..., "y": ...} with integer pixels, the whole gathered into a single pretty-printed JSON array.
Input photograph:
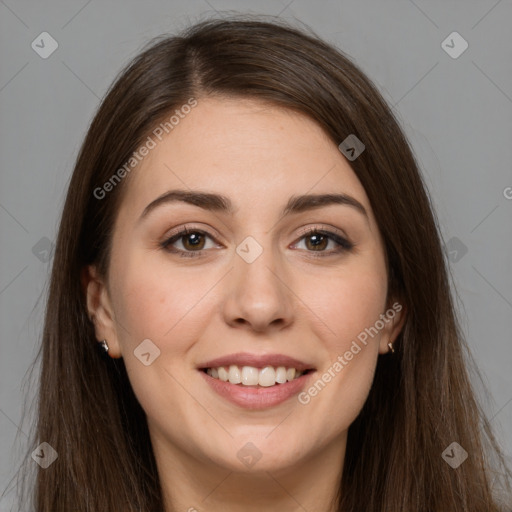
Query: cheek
[
  {"x": 154, "y": 301},
  {"x": 347, "y": 306},
  {"x": 348, "y": 303}
]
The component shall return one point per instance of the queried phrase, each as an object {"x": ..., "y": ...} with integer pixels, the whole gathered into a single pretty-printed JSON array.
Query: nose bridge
[{"x": 258, "y": 295}]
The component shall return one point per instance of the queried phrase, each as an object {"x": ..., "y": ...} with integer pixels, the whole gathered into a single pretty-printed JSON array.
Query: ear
[
  {"x": 100, "y": 310},
  {"x": 395, "y": 315}
]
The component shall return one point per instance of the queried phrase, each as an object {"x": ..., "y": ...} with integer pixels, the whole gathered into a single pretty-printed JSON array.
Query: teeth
[
  {"x": 223, "y": 374},
  {"x": 251, "y": 376},
  {"x": 267, "y": 377},
  {"x": 235, "y": 376},
  {"x": 281, "y": 375}
]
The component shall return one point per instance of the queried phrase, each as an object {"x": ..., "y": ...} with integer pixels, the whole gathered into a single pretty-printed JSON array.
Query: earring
[
  {"x": 104, "y": 345},
  {"x": 390, "y": 345}
]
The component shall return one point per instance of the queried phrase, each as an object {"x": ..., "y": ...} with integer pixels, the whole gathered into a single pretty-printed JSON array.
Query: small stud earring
[
  {"x": 390, "y": 345},
  {"x": 104, "y": 345}
]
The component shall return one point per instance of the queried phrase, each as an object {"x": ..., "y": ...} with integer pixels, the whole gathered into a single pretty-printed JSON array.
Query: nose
[{"x": 258, "y": 297}]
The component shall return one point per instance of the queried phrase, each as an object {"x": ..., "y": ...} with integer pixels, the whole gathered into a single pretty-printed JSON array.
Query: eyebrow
[{"x": 222, "y": 204}]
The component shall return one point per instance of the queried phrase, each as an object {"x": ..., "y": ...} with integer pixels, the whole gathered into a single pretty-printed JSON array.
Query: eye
[
  {"x": 192, "y": 241},
  {"x": 317, "y": 240}
]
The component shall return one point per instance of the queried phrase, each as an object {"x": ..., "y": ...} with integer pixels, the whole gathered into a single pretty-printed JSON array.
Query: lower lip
[{"x": 257, "y": 397}]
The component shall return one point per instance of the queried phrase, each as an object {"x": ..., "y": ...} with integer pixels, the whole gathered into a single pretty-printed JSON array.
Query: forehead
[{"x": 248, "y": 150}]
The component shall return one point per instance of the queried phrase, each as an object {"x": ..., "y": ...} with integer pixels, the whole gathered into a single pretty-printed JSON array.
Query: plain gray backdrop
[{"x": 455, "y": 106}]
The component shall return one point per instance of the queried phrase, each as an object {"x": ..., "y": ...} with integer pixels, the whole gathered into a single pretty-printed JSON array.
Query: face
[{"x": 251, "y": 292}]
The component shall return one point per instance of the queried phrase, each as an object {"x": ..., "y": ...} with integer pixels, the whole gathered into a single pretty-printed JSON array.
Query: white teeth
[
  {"x": 234, "y": 374},
  {"x": 290, "y": 374},
  {"x": 281, "y": 375},
  {"x": 251, "y": 376},
  {"x": 267, "y": 377},
  {"x": 223, "y": 374}
]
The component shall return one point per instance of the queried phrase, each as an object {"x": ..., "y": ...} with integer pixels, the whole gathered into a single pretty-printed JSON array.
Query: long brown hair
[{"x": 422, "y": 398}]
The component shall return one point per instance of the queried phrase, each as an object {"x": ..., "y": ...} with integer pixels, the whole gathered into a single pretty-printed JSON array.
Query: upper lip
[{"x": 257, "y": 361}]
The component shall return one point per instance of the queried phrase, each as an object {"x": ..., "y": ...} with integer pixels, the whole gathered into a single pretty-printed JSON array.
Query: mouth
[
  {"x": 256, "y": 382},
  {"x": 251, "y": 376}
]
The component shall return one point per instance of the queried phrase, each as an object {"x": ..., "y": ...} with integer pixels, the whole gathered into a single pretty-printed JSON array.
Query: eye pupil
[
  {"x": 318, "y": 241},
  {"x": 193, "y": 240}
]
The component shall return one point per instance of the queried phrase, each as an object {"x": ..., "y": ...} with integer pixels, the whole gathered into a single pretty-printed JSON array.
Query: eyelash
[{"x": 343, "y": 244}]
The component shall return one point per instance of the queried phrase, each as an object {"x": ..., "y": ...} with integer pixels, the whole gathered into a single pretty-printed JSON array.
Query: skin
[{"x": 287, "y": 301}]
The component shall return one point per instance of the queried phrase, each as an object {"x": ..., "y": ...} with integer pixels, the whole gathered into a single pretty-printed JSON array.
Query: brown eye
[
  {"x": 193, "y": 241},
  {"x": 188, "y": 242},
  {"x": 317, "y": 241}
]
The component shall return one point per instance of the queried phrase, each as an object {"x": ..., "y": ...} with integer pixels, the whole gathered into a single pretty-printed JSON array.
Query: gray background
[{"x": 457, "y": 113}]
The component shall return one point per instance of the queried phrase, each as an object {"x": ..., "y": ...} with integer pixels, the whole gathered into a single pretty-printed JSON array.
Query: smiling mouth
[{"x": 250, "y": 376}]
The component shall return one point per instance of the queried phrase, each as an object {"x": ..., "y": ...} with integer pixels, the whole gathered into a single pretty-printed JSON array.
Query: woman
[{"x": 249, "y": 306}]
